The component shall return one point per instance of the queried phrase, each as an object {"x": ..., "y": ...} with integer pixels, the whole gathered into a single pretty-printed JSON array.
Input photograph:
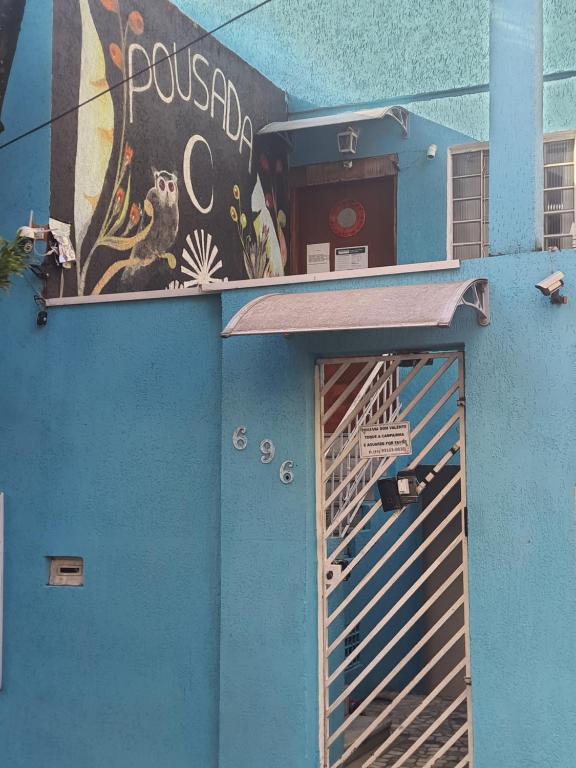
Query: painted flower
[
  {"x": 282, "y": 219},
  {"x": 256, "y": 259},
  {"x": 116, "y": 55},
  {"x": 135, "y": 214},
  {"x": 136, "y": 22},
  {"x": 119, "y": 199},
  {"x": 264, "y": 164},
  {"x": 236, "y": 191},
  {"x": 243, "y": 221},
  {"x": 110, "y": 5},
  {"x": 201, "y": 258},
  {"x": 233, "y": 213},
  {"x": 128, "y": 154}
]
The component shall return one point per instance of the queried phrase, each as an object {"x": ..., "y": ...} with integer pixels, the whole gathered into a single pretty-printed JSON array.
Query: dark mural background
[
  {"x": 164, "y": 180},
  {"x": 11, "y": 12}
]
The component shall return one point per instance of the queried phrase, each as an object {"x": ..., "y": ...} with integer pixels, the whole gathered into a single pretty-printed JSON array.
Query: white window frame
[{"x": 484, "y": 145}]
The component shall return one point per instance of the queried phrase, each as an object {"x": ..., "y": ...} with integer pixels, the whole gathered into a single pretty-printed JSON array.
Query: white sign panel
[
  {"x": 355, "y": 257},
  {"x": 386, "y": 440},
  {"x": 317, "y": 258}
]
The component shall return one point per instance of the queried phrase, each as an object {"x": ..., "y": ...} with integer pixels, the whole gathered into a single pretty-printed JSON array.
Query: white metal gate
[{"x": 393, "y": 618}]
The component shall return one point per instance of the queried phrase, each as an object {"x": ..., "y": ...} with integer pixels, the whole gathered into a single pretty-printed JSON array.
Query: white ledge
[
  {"x": 107, "y": 298},
  {"x": 350, "y": 274},
  {"x": 267, "y": 282}
]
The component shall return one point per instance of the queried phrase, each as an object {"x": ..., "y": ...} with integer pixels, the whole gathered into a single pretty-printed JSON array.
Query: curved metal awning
[
  {"x": 399, "y": 306},
  {"x": 340, "y": 118}
]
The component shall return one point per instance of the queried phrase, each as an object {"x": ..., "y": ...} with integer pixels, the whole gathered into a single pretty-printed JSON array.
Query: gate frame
[{"x": 323, "y": 724}]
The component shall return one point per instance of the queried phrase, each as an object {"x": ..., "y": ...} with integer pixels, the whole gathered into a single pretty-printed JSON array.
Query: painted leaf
[
  {"x": 127, "y": 243},
  {"x": 95, "y": 128}
]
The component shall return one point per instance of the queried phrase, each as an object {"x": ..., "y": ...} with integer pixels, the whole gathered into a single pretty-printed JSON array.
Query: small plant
[{"x": 13, "y": 260}]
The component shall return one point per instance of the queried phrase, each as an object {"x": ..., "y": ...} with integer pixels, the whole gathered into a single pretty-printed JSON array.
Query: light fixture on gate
[
  {"x": 397, "y": 492},
  {"x": 348, "y": 141}
]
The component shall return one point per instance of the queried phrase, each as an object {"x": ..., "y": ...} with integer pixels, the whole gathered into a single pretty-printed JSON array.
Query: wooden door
[{"x": 345, "y": 215}]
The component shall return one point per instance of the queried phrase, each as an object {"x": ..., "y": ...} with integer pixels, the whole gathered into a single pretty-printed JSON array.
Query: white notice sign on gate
[{"x": 385, "y": 440}]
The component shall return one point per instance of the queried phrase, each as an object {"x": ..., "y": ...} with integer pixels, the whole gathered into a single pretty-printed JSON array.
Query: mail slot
[{"x": 66, "y": 572}]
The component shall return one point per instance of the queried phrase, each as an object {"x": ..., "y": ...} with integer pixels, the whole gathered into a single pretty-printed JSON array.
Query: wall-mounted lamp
[
  {"x": 431, "y": 151},
  {"x": 348, "y": 141},
  {"x": 551, "y": 285}
]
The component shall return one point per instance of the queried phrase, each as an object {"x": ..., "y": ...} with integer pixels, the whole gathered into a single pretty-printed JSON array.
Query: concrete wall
[
  {"x": 326, "y": 55},
  {"x": 521, "y": 418},
  {"x": 110, "y": 450}
]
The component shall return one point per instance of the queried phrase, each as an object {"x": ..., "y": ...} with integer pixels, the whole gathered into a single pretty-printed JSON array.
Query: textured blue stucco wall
[
  {"x": 521, "y": 420},
  {"x": 329, "y": 53},
  {"x": 110, "y": 439},
  {"x": 268, "y": 713},
  {"x": 421, "y": 183},
  {"x": 516, "y": 93},
  {"x": 110, "y": 450}
]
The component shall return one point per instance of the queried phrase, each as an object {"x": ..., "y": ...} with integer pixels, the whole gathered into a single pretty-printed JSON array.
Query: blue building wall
[
  {"x": 325, "y": 55},
  {"x": 110, "y": 450},
  {"x": 110, "y": 445},
  {"x": 521, "y": 419}
]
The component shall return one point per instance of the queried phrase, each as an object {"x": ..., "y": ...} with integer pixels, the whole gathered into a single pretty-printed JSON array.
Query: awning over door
[
  {"x": 399, "y": 306},
  {"x": 340, "y": 118}
]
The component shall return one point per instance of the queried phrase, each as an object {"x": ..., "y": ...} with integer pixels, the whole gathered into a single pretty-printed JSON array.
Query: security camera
[
  {"x": 551, "y": 285},
  {"x": 431, "y": 151}
]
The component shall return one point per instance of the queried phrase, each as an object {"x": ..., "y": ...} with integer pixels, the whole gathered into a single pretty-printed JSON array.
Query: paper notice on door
[
  {"x": 355, "y": 257},
  {"x": 317, "y": 258},
  {"x": 382, "y": 440}
]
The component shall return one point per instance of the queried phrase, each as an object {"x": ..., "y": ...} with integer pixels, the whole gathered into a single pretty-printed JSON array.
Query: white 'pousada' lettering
[{"x": 186, "y": 77}]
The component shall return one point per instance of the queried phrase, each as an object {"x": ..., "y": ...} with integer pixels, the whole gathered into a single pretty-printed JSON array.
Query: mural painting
[
  {"x": 11, "y": 12},
  {"x": 163, "y": 178}
]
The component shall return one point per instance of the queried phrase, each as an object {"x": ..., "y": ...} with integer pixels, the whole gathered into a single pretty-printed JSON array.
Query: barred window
[
  {"x": 469, "y": 199},
  {"x": 558, "y": 193},
  {"x": 470, "y": 204}
]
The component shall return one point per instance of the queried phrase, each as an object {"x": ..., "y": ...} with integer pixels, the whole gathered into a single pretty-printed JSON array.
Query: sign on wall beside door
[
  {"x": 351, "y": 258},
  {"x": 317, "y": 258}
]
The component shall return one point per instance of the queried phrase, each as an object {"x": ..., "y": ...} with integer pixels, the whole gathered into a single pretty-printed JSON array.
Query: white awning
[
  {"x": 399, "y": 306},
  {"x": 340, "y": 118}
]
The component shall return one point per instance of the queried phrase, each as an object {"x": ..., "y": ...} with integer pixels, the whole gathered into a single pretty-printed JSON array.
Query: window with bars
[
  {"x": 559, "y": 193},
  {"x": 470, "y": 204},
  {"x": 470, "y": 199}
]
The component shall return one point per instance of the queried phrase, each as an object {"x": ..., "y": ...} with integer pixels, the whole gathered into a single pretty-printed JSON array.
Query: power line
[{"x": 136, "y": 74}]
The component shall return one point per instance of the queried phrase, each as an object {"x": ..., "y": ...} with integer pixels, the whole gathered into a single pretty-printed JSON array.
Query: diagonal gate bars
[{"x": 393, "y": 614}]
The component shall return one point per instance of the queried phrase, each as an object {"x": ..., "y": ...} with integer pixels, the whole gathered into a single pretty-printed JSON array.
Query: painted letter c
[{"x": 192, "y": 141}]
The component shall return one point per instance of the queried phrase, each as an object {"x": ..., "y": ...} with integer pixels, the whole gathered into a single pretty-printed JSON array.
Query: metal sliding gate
[{"x": 393, "y": 618}]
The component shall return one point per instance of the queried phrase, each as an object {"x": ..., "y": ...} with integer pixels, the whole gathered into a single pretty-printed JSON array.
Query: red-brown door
[{"x": 350, "y": 214}]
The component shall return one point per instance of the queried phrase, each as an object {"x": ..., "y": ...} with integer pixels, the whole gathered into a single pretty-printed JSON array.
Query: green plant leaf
[{"x": 13, "y": 260}]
